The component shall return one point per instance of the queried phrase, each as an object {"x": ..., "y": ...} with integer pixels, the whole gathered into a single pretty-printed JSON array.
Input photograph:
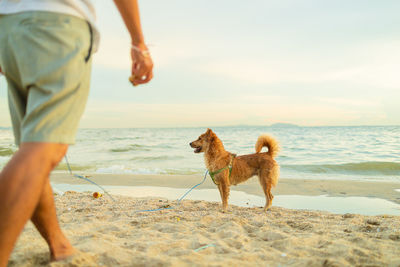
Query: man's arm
[{"x": 142, "y": 64}]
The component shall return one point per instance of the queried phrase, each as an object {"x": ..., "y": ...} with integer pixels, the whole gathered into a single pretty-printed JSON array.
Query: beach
[
  {"x": 197, "y": 233},
  {"x": 337, "y": 202},
  {"x": 130, "y": 166}
]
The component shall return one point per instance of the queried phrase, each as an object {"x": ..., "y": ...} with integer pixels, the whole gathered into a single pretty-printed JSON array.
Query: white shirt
[{"x": 78, "y": 8}]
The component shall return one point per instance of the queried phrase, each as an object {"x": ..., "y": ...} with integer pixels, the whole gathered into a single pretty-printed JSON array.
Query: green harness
[{"x": 229, "y": 166}]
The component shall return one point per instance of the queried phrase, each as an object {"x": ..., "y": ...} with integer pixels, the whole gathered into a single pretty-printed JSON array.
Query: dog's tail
[{"x": 268, "y": 141}]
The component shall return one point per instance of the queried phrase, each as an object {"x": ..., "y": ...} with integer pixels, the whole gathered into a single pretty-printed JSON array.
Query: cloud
[
  {"x": 271, "y": 110},
  {"x": 374, "y": 64}
]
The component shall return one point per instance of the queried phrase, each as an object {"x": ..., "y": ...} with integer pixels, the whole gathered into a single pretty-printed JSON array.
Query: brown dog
[{"x": 228, "y": 169}]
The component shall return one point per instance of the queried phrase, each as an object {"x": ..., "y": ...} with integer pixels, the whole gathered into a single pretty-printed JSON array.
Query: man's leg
[
  {"x": 45, "y": 220},
  {"x": 21, "y": 186}
]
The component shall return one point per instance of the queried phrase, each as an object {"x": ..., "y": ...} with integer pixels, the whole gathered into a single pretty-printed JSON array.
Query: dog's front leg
[{"x": 224, "y": 192}]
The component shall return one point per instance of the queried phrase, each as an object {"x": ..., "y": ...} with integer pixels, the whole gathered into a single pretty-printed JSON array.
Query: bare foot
[
  {"x": 78, "y": 259},
  {"x": 62, "y": 253}
]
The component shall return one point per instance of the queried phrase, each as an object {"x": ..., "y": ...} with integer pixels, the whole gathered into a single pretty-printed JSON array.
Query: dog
[{"x": 228, "y": 169}]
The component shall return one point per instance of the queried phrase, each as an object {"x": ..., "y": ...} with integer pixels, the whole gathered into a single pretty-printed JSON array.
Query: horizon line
[{"x": 274, "y": 125}]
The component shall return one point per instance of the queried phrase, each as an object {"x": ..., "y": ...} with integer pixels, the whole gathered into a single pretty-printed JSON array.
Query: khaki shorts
[{"x": 46, "y": 59}]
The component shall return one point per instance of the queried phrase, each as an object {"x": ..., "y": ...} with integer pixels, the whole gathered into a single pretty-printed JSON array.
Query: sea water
[{"x": 351, "y": 153}]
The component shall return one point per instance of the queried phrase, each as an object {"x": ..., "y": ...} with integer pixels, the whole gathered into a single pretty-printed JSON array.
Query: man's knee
[{"x": 47, "y": 153}]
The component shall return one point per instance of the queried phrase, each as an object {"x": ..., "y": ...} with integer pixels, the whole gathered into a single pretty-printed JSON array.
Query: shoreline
[{"x": 335, "y": 188}]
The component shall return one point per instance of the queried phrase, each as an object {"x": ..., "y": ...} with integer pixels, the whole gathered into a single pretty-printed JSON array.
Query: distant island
[{"x": 284, "y": 125}]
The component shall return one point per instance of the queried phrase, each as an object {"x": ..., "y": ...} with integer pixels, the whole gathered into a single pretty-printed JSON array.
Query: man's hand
[{"x": 142, "y": 65}]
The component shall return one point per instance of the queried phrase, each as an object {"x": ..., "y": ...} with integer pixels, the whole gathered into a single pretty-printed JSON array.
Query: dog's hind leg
[
  {"x": 224, "y": 192},
  {"x": 266, "y": 186}
]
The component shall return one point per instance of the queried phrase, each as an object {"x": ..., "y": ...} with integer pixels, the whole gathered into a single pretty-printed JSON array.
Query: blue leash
[
  {"x": 204, "y": 247},
  {"x": 86, "y": 179},
  {"x": 181, "y": 198}
]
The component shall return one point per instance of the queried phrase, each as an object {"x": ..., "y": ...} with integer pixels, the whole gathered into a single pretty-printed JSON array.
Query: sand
[{"x": 197, "y": 233}]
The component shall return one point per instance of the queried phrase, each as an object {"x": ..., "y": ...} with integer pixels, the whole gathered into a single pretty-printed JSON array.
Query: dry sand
[{"x": 197, "y": 233}]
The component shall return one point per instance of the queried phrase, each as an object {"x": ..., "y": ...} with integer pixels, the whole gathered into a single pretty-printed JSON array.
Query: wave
[
  {"x": 156, "y": 158},
  {"x": 5, "y": 152},
  {"x": 361, "y": 168},
  {"x": 134, "y": 147},
  {"x": 74, "y": 167},
  {"x": 121, "y": 169},
  {"x": 125, "y": 138}
]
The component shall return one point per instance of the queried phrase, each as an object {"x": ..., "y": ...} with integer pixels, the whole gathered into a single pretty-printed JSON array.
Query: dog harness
[{"x": 229, "y": 166}]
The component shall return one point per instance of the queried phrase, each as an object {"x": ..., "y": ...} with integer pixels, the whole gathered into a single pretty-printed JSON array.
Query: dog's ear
[
  {"x": 212, "y": 138},
  {"x": 210, "y": 135}
]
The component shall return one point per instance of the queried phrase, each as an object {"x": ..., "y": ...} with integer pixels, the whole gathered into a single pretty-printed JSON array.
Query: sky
[{"x": 259, "y": 62}]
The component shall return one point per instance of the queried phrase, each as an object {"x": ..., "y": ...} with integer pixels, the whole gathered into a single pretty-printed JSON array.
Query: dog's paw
[
  {"x": 267, "y": 210},
  {"x": 224, "y": 210}
]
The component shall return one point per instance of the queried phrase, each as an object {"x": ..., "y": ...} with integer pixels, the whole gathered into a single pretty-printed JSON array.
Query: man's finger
[
  {"x": 143, "y": 74},
  {"x": 149, "y": 76},
  {"x": 139, "y": 81},
  {"x": 135, "y": 80},
  {"x": 142, "y": 70},
  {"x": 143, "y": 79},
  {"x": 132, "y": 79}
]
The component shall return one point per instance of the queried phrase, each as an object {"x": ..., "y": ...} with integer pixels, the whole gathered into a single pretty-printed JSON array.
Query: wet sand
[{"x": 383, "y": 190}]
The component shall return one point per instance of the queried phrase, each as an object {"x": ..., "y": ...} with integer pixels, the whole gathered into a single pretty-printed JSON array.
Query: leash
[
  {"x": 105, "y": 191},
  {"x": 150, "y": 210},
  {"x": 179, "y": 200},
  {"x": 86, "y": 179}
]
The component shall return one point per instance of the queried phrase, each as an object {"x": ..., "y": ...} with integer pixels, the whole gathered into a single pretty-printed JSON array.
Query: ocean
[{"x": 352, "y": 153}]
